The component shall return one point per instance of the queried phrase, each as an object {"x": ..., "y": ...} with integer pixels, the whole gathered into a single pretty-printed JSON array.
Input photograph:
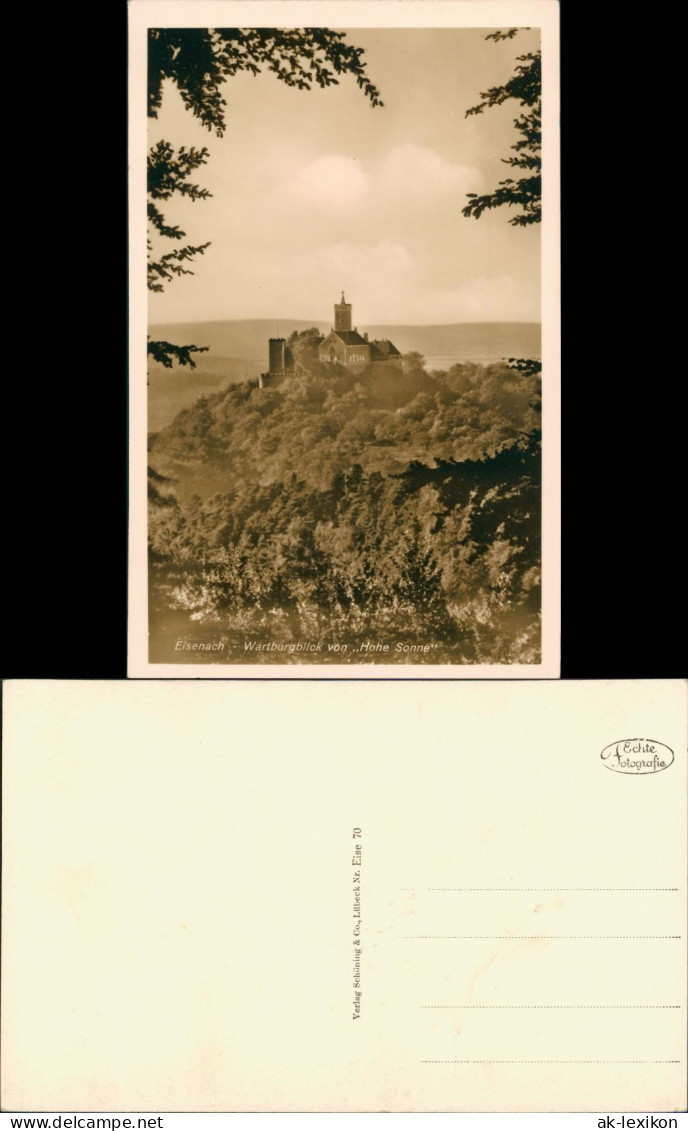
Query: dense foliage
[{"x": 390, "y": 508}]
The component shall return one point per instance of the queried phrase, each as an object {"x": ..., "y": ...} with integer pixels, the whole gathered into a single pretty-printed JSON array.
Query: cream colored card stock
[{"x": 344, "y": 896}]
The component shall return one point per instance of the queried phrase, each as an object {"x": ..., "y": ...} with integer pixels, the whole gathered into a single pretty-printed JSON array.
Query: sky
[{"x": 317, "y": 192}]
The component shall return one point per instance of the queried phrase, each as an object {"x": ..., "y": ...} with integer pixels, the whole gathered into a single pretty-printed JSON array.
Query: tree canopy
[
  {"x": 198, "y": 61},
  {"x": 399, "y": 507},
  {"x": 524, "y": 193}
]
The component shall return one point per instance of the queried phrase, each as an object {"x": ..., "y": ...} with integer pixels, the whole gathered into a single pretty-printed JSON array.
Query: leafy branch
[
  {"x": 524, "y": 193},
  {"x": 198, "y": 61},
  {"x": 166, "y": 353},
  {"x": 528, "y": 366}
]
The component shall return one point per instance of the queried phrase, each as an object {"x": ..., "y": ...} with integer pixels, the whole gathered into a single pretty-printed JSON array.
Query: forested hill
[
  {"x": 237, "y": 351},
  {"x": 315, "y": 426},
  {"x": 337, "y": 507}
]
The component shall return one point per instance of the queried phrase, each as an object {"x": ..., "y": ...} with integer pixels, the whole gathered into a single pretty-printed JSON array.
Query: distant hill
[
  {"x": 171, "y": 390},
  {"x": 238, "y": 352},
  {"x": 248, "y": 338}
]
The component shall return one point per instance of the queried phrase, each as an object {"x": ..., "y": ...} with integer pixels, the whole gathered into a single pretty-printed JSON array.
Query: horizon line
[{"x": 320, "y": 321}]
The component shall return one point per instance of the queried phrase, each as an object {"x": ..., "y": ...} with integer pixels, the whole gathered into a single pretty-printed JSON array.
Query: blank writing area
[
  {"x": 531, "y": 953},
  {"x": 555, "y": 993}
]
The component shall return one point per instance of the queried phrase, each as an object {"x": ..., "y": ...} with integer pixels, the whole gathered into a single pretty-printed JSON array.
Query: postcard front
[{"x": 344, "y": 339}]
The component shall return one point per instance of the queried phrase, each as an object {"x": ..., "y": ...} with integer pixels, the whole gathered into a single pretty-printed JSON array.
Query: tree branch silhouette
[
  {"x": 524, "y": 193},
  {"x": 198, "y": 61}
]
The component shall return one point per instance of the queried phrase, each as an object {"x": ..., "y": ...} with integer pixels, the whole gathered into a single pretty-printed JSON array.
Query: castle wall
[
  {"x": 357, "y": 356},
  {"x": 332, "y": 350}
]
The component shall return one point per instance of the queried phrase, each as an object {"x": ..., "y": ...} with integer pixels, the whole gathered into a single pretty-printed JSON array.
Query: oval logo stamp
[{"x": 637, "y": 756}]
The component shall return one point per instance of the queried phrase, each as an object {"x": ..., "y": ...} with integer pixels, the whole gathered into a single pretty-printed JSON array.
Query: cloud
[
  {"x": 386, "y": 281},
  {"x": 388, "y": 231},
  {"x": 306, "y": 282},
  {"x": 329, "y": 183},
  {"x": 364, "y": 261},
  {"x": 406, "y": 179},
  {"x": 415, "y": 174}
]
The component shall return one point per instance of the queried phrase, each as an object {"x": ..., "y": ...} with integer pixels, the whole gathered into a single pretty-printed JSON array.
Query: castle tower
[
  {"x": 342, "y": 314},
  {"x": 277, "y": 359}
]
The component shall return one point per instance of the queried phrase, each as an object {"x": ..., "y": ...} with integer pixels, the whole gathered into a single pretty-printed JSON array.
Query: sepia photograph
[{"x": 346, "y": 355}]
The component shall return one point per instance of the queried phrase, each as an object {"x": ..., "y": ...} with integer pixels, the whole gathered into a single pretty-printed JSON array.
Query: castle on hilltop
[{"x": 342, "y": 346}]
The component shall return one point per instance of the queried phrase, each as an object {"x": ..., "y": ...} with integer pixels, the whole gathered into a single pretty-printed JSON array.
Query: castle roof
[
  {"x": 381, "y": 350},
  {"x": 350, "y": 337}
]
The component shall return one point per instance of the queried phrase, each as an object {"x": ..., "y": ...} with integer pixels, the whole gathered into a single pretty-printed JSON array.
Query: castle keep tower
[
  {"x": 342, "y": 315},
  {"x": 276, "y": 364}
]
